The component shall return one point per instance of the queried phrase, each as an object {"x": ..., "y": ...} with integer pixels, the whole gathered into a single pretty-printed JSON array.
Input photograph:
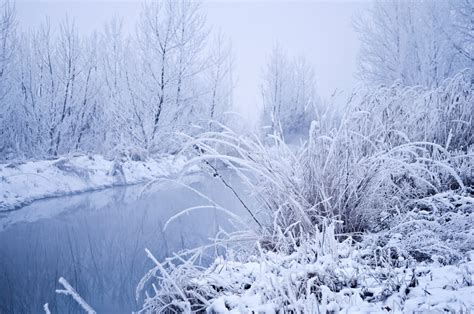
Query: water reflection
[{"x": 96, "y": 241}]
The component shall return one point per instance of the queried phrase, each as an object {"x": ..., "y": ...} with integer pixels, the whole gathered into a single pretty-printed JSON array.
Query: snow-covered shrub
[
  {"x": 436, "y": 228},
  {"x": 393, "y": 145},
  {"x": 64, "y": 164},
  {"x": 349, "y": 176},
  {"x": 385, "y": 152},
  {"x": 342, "y": 175},
  {"x": 464, "y": 165}
]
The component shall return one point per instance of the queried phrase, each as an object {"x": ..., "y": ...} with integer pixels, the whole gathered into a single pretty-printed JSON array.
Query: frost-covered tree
[
  {"x": 463, "y": 38},
  {"x": 219, "y": 78},
  {"x": 7, "y": 48},
  {"x": 88, "y": 128},
  {"x": 56, "y": 107},
  {"x": 414, "y": 42},
  {"x": 7, "y": 44},
  {"x": 288, "y": 91},
  {"x": 171, "y": 37},
  {"x": 274, "y": 92},
  {"x": 122, "y": 112},
  {"x": 71, "y": 63}
]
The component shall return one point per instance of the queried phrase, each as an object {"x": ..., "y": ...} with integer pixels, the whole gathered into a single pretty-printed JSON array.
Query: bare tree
[
  {"x": 411, "y": 42},
  {"x": 463, "y": 39},
  {"x": 191, "y": 35},
  {"x": 123, "y": 122},
  {"x": 59, "y": 90},
  {"x": 7, "y": 42},
  {"x": 219, "y": 76},
  {"x": 273, "y": 93},
  {"x": 70, "y": 92},
  {"x": 7, "y": 48},
  {"x": 171, "y": 37},
  {"x": 88, "y": 108},
  {"x": 288, "y": 91}
]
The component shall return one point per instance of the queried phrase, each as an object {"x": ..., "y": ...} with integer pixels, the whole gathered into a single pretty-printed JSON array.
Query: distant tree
[
  {"x": 463, "y": 22},
  {"x": 219, "y": 78},
  {"x": 288, "y": 91},
  {"x": 414, "y": 42}
]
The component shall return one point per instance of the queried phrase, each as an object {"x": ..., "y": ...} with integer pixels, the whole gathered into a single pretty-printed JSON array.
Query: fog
[{"x": 321, "y": 31}]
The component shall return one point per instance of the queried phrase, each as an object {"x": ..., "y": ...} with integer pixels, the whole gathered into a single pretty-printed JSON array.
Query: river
[{"x": 96, "y": 241}]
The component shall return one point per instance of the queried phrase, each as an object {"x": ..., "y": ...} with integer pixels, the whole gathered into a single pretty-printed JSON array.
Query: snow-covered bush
[
  {"x": 436, "y": 228},
  {"x": 393, "y": 145},
  {"x": 344, "y": 173}
]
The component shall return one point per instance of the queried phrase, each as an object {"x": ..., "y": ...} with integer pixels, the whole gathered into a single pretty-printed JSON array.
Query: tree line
[{"x": 64, "y": 92}]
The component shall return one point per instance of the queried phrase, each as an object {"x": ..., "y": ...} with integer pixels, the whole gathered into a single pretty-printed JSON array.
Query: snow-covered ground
[
  {"x": 320, "y": 276},
  {"x": 24, "y": 182},
  {"x": 344, "y": 285}
]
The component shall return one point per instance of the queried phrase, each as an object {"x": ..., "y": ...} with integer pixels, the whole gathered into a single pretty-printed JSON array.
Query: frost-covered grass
[
  {"x": 367, "y": 215},
  {"x": 320, "y": 276},
  {"x": 437, "y": 229},
  {"x": 24, "y": 182}
]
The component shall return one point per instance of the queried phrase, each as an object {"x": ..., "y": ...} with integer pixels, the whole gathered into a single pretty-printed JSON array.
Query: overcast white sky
[{"x": 319, "y": 30}]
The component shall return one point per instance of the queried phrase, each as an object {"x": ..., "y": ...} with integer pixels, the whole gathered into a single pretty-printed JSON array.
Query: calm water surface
[{"x": 96, "y": 241}]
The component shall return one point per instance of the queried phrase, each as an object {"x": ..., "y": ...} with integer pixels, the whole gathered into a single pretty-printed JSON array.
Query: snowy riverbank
[
  {"x": 333, "y": 284},
  {"x": 24, "y": 182},
  {"x": 322, "y": 275}
]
